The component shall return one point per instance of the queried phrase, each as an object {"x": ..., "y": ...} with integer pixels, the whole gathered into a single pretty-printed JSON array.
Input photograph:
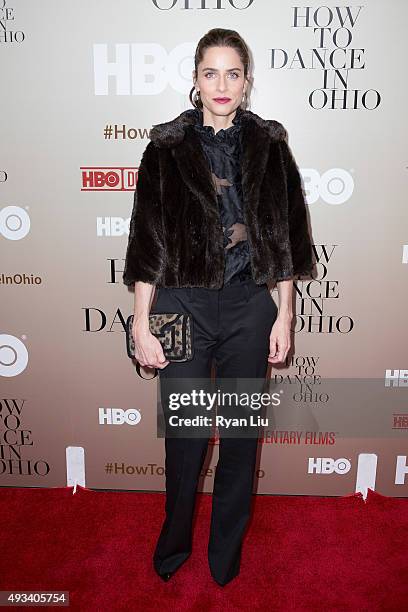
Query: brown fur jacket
[{"x": 176, "y": 237}]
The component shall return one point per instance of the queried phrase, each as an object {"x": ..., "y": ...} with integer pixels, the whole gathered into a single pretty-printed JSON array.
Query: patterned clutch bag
[{"x": 174, "y": 332}]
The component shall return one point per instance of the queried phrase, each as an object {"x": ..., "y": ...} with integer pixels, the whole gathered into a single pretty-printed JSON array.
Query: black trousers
[{"x": 231, "y": 325}]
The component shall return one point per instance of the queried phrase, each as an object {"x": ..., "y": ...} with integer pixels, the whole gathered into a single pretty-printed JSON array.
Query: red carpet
[{"x": 300, "y": 553}]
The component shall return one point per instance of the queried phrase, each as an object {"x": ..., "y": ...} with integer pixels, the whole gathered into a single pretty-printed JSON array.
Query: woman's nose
[{"x": 222, "y": 84}]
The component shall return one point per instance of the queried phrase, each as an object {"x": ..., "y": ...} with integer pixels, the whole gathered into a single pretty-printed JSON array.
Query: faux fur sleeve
[
  {"x": 145, "y": 250},
  {"x": 299, "y": 235}
]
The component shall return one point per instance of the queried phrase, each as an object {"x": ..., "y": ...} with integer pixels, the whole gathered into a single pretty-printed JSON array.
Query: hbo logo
[
  {"x": 326, "y": 465},
  {"x": 335, "y": 186},
  {"x": 141, "y": 69},
  {"x": 13, "y": 356},
  {"x": 14, "y": 222},
  {"x": 117, "y": 416},
  {"x": 112, "y": 226}
]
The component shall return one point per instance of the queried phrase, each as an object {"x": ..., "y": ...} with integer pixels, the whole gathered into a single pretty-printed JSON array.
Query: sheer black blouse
[{"x": 223, "y": 152}]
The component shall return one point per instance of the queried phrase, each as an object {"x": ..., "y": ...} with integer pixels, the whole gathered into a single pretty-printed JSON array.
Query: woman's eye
[{"x": 235, "y": 75}]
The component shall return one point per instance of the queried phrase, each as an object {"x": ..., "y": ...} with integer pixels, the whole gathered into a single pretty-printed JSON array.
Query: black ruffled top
[{"x": 223, "y": 152}]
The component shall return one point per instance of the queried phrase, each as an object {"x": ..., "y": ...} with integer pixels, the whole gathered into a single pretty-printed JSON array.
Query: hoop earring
[{"x": 196, "y": 97}]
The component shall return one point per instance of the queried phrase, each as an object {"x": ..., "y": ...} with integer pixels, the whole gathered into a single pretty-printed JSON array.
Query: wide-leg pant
[{"x": 231, "y": 325}]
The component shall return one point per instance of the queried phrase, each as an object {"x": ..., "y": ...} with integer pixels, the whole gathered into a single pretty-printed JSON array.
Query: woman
[{"x": 218, "y": 213}]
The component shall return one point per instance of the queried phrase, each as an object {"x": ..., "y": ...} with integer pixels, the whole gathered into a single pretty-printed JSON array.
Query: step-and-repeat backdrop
[{"x": 82, "y": 85}]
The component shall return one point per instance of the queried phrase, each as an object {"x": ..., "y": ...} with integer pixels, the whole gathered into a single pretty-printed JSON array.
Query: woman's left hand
[{"x": 279, "y": 339}]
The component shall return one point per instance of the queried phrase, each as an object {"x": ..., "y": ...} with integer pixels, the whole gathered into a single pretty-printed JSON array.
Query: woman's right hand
[{"x": 148, "y": 350}]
